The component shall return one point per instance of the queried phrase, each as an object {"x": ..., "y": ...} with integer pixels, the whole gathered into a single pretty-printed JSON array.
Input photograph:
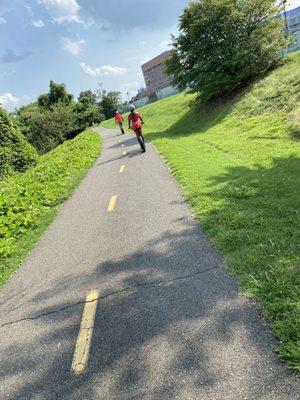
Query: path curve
[{"x": 169, "y": 322}]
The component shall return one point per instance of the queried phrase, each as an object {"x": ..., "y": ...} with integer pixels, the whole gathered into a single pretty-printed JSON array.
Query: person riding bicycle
[
  {"x": 119, "y": 120},
  {"x": 135, "y": 121}
]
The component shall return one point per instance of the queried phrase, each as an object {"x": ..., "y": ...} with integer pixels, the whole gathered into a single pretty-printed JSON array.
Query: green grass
[
  {"x": 29, "y": 201},
  {"x": 238, "y": 166}
]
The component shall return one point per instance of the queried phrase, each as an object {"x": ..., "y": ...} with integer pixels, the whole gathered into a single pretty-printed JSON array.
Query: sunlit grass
[{"x": 238, "y": 166}]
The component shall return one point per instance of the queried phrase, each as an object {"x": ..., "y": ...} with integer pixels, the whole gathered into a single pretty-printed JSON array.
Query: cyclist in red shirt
[
  {"x": 119, "y": 120},
  {"x": 135, "y": 121}
]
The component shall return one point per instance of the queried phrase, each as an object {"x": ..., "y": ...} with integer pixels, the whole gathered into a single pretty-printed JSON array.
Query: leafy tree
[
  {"x": 43, "y": 101},
  {"x": 57, "y": 93},
  {"x": 87, "y": 114},
  {"x": 46, "y": 128},
  {"x": 16, "y": 154},
  {"x": 87, "y": 96},
  {"x": 223, "y": 44},
  {"x": 109, "y": 103},
  {"x": 55, "y": 117}
]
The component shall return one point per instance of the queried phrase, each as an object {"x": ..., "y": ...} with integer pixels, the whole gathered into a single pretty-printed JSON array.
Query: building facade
[
  {"x": 154, "y": 73},
  {"x": 293, "y": 23}
]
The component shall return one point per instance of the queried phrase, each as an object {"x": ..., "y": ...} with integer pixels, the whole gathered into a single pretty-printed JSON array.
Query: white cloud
[
  {"x": 105, "y": 70},
  {"x": 2, "y": 21},
  {"x": 37, "y": 23},
  {"x": 10, "y": 102},
  {"x": 62, "y": 10},
  {"x": 7, "y": 99},
  {"x": 73, "y": 47}
]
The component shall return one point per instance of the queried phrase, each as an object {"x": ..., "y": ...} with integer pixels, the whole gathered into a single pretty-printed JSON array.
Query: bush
[
  {"x": 25, "y": 199},
  {"x": 87, "y": 110},
  {"x": 223, "y": 44},
  {"x": 55, "y": 117},
  {"x": 47, "y": 128},
  {"x": 15, "y": 153}
]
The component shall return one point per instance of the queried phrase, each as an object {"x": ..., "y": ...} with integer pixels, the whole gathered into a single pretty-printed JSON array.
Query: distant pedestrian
[{"x": 119, "y": 120}]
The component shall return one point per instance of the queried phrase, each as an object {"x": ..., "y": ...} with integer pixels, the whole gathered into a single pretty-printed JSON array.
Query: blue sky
[{"x": 81, "y": 43}]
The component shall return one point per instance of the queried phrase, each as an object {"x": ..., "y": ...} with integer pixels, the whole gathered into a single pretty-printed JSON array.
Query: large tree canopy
[
  {"x": 109, "y": 103},
  {"x": 56, "y": 117},
  {"x": 57, "y": 93},
  {"x": 223, "y": 44}
]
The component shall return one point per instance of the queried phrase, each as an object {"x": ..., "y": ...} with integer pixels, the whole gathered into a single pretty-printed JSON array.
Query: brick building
[{"x": 154, "y": 75}]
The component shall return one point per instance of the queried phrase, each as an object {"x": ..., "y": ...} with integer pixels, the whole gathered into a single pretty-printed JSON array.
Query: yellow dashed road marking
[
  {"x": 122, "y": 168},
  {"x": 112, "y": 204},
  {"x": 82, "y": 349}
]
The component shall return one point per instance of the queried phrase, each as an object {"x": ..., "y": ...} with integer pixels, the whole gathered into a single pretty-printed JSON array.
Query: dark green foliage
[
  {"x": 51, "y": 120},
  {"x": 55, "y": 117},
  {"x": 15, "y": 153},
  {"x": 109, "y": 103},
  {"x": 88, "y": 96},
  {"x": 46, "y": 128},
  {"x": 57, "y": 94},
  {"x": 27, "y": 199},
  {"x": 88, "y": 111},
  {"x": 87, "y": 114},
  {"x": 223, "y": 44}
]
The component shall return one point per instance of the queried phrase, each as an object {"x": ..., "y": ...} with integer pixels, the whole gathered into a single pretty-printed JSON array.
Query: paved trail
[{"x": 169, "y": 322}]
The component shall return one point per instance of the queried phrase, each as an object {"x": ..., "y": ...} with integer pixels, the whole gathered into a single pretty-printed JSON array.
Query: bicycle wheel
[{"x": 142, "y": 144}]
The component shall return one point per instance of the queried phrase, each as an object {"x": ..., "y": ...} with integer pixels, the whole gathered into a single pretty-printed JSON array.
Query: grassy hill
[{"x": 238, "y": 165}]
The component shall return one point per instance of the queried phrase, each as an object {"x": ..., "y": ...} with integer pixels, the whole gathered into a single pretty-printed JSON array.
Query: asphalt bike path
[{"x": 124, "y": 297}]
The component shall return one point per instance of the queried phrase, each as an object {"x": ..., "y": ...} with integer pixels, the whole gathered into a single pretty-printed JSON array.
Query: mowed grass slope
[
  {"x": 238, "y": 165},
  {"x": 30, "y": 200}
]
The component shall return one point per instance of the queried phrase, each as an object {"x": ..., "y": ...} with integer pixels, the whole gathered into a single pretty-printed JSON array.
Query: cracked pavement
[{"x": 169, "y": 323}]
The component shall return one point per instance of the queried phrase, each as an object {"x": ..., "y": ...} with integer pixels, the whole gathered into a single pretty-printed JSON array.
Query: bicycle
[{"x": 140, "y": 139}]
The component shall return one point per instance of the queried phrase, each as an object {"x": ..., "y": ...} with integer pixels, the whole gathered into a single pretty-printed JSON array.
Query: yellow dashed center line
[
  {"x": 82, "y": 349},
  {"x": 122, "y": 168},
  {"x": 112, "y": 204}
]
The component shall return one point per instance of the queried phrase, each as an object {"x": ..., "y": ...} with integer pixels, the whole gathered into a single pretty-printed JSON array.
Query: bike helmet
[
  {"x": 117, "y": 112},
  {"x": 131, "y": 107}
]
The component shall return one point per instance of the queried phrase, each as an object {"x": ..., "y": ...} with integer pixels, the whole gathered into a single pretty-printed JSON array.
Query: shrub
[
  {"x": 88, "y": 112},
  {"x": 47, "y": 128},
  {"x": 26, "y": 198},
  {"x": 15, "y": 153}
]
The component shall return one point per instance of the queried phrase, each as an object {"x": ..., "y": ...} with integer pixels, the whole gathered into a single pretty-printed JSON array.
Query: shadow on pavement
[{"x": 189, "y": 337}]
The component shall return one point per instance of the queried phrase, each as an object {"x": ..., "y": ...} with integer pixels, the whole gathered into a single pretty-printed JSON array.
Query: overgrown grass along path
[
  {"x": 29, "y": 201},
  {"x": 239, "y": 168}
]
